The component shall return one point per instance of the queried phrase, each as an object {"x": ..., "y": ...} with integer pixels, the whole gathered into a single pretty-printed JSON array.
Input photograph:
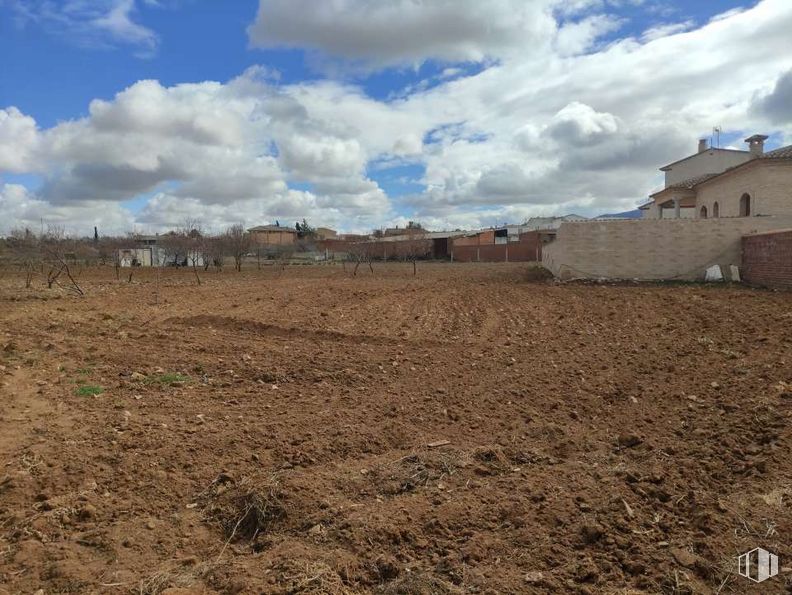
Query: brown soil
[{"x": 462, "y": 431}]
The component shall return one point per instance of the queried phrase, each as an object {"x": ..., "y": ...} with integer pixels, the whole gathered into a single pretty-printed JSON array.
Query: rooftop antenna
[{"x": 716, "y": 132}]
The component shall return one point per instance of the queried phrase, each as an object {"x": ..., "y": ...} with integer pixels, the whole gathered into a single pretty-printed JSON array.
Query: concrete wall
[
  {"x": 708, "y": 162},
  {"x": 768, "y": 183},
  {"x": 652, "y": 249},
  {"x": 146, "y": 256},
  {"x": 767, "y": 259},
  {"x": 139, "y": 256}
]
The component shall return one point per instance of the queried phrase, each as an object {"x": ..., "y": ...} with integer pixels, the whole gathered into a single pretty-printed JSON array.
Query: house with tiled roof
[{"x": 718, "y": 182}]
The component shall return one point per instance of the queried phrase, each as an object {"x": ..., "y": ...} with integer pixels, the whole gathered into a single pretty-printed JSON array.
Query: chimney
[
  {"x": 702, "y": 145},
  {"x": 756, "y": 144}
]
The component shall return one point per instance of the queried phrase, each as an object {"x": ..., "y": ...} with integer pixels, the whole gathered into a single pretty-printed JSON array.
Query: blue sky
[
  {"x": 202, "y": 40},
  {"x": 63, "y": 58}
]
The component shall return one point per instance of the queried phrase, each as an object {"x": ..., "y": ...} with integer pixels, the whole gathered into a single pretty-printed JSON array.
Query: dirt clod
[{"x": 629, "y": 440}]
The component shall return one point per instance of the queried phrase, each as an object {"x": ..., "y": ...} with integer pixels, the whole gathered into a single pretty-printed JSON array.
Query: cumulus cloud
[
  {"x": 18, "y": 141},
  {"x": 776, "y": 106},
  {"x": 579, "y": 124},
  {"x": 404, "y": 32},
  {"x": 564, "y": 128},
  {"x": 166, "y": 211},
  {"x": 22, "y": 209},
  {"x": 149, "y": 135},
  {"x": 588, "y": 132},
  {"x": 209, "y": 147}
]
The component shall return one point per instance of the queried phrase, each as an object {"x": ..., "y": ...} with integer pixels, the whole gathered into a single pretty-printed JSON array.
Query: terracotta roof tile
[
  {"x": 692, "y": 182},
  {"x": 780, "y": 153}
]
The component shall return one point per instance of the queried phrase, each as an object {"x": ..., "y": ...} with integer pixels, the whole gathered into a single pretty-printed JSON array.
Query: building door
[{"x": 745, "y": 205}]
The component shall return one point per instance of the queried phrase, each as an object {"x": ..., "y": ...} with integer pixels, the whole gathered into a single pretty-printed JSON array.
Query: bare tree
[
  {"x": 214, "y": 249},
  {"x": 417, "y": 245},
  {"x": 109, "y": 252},
  {"x": 59, "y": 252},
  {"x": 24, "y": 248},
  {"x": 237, "y": 243},
  {"x": 174, "y": 248},
  {"x": 193, "y": 236},
  {"x": 284, "y": 255},
  {"x": 362, "y": 252}
]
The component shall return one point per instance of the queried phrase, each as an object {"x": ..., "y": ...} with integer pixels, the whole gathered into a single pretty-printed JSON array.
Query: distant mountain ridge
[{"x": 634, "y": 214}]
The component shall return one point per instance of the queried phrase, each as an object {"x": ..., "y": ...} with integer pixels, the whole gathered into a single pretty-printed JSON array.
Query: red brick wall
[
  {"x": 767, "y": 259},
  {"x": 480, "y": 239},
  {"x": 528, "y": 249}
]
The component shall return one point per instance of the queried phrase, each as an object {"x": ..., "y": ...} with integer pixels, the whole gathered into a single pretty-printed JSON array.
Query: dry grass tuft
[
  {"x": 491, "y": 455},
  {"x": 414, "y": 471},
  {"x": 536, "y": 273},
  {"x": 244, "y": 509},
  {"x": 312, "y": 578},
  {"x": 173, "y": 576},
  {"x": 417, "y": 583}
]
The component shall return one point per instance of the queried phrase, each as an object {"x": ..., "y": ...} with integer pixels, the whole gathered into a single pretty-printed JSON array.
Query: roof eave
[{"x": 673, "y": 190}]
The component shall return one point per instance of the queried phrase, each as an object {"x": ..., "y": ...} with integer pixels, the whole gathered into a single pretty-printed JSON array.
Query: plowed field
[{"x": 465, "y": 430}]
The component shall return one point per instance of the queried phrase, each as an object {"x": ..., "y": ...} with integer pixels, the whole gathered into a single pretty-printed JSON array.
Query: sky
[{"x": 136, "y": 115}]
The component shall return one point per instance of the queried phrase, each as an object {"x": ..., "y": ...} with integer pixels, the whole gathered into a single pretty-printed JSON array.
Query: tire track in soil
[
  {"x": 274, "y": 330},
  {"x": 20, "y": 410}
]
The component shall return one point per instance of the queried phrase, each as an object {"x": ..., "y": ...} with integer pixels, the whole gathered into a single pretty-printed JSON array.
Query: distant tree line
[{"x": 54, "y": 255}]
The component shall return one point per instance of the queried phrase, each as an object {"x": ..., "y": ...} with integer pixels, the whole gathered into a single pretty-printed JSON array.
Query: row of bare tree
[
  {"x": 411, "y": 246},
  {"x": 54, "y": 255},
  {"x": 192, "y": 246}
]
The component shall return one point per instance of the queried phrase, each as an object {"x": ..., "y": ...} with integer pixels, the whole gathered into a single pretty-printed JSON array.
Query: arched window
[
  {"x": 715, "y": 210},
  {"x": 745, "y": 205},
  {"x": 703, "y": 212}
]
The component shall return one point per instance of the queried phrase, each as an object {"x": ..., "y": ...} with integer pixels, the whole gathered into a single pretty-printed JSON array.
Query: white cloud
[
  {"x": 225, "y": 151},
  {"x": 21, "y": 209},
  {"x": 578, "y": 37},
  {"x": 404, "y": 32},
  {"x": 117, "y": 22},
  {"x": 565, "y": 127},
  {"x": 166, "y": 211},
  {"x": 589, "y": 131},
  {"x": 18, "y": 141},
  {"x": 777, "y": 104},
  {"x": 91, "y": 23},
  {"x": 665, "y": 30},
  {"x": 579, "y": 124}
]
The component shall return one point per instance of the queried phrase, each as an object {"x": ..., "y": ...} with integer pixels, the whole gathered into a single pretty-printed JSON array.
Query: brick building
[
  {"x": 710, "y": 201},
  {"x": 272, "y": 235},
  {"x": 717, "y": 183}
]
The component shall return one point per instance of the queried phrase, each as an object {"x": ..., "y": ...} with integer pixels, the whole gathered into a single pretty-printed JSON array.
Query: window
[
  {"x": 703, "y": 212},
  {"x": 715, "y": 210},
  {"x": 745, "y": 205}
]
